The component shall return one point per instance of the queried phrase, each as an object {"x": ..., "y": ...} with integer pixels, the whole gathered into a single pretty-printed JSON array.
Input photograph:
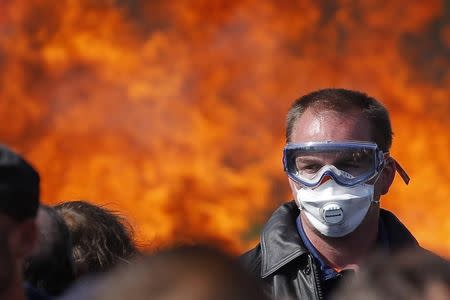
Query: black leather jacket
[{"x": 288, "y": 270}]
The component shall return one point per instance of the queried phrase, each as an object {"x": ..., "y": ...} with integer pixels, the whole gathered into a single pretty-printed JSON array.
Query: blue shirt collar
[{"x": 327, "y": 271}]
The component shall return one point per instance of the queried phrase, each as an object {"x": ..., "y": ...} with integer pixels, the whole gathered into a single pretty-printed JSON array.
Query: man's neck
[{"x": 346, "y": 252}]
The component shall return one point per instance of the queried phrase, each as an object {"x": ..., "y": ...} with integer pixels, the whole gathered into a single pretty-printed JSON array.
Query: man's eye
[{"x": 309, "y": 168}]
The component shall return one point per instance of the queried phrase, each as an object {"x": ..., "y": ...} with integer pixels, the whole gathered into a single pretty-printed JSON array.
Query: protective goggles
[{"x": 348, "y": 163}]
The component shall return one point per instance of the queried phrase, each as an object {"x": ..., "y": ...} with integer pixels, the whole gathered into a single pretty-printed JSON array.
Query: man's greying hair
[{"x": 341, "y": 100}]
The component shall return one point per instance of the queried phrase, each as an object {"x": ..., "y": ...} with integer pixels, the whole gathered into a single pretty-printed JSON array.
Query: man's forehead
[{"x": 328, "y": 125}]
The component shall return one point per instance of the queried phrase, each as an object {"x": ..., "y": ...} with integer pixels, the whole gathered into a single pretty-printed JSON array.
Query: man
[
  {"x": 19, "y": 202},
  {"x": 338, "y": 165},
  {"x": 50, "y": 266}
]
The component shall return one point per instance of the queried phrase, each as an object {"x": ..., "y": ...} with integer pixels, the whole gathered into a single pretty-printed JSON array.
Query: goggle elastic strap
[
  {"x": 401, "y": 172},
  {"x": 399, "y": 169}
]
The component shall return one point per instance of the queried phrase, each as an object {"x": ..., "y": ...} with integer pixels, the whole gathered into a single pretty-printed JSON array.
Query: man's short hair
[
  {"x": 345, "y": 101},
  {"x": 101, "y": 238},
  {"x": 50, "y": 267},
  {"x": 19, "y": 186}
]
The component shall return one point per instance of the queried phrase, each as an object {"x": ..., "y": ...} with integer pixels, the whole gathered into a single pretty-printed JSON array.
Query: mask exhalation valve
[{"x": 332, "y": 213}]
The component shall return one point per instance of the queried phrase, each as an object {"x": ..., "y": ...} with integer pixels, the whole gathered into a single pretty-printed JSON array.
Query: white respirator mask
[{"x": 335, "y": 210}]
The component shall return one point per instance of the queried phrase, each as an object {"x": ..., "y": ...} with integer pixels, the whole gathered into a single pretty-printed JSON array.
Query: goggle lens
[
  {"x": 355, "y": 163},
  {"x": 349, "y": 163}
]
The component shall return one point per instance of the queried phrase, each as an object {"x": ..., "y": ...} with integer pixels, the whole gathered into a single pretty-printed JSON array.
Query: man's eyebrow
[
  {"x": 309, "y": 159},
  {"x": 314, "y": 159}
]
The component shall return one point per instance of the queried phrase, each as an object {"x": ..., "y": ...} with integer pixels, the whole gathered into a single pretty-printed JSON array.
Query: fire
[{"x": 173, "y": 112}]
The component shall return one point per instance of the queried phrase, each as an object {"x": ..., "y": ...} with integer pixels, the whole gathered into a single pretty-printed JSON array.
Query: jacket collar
[{"x": 280, "y": 243}]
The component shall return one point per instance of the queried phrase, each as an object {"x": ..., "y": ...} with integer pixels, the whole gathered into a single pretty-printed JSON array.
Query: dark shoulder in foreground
[{"x": 35, "y": 294}]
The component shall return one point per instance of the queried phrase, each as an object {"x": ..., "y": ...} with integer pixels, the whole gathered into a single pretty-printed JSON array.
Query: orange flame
[{"x": 173, "y": 113}]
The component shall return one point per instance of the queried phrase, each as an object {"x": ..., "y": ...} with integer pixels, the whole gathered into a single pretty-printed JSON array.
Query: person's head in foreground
[
  {"x": 182, "y": 273},
  {"x": 338, "y": 165},
  {"x": 101, "y": 238},
  {"x": 410, "y": 275},
  {"x": 50, "y": 265},
  {"x": 19, "y": 202}
]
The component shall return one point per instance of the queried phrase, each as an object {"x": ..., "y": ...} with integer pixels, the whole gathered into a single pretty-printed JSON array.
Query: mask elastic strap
[
  {"x": 399, "y": 169},
  {"x": 377, "y": 176}
]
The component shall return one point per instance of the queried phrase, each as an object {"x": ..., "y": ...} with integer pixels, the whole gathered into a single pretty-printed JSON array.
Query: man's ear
[
  {"x": 387, "y": 176},
  {"x": 24, "y": 238}
]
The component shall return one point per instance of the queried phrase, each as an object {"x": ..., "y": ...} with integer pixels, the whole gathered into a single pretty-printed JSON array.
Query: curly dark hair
[{"x": 101, "y": 238}]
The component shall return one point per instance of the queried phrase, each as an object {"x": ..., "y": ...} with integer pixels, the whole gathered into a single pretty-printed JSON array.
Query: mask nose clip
[{"x": 324, "y": 179}]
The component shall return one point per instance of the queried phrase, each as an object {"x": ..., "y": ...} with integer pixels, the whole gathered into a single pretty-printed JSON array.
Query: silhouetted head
[
  {"x": 19, "y": 202},
  {"x": 50, "y": 266},
  {"x": 100, "y": 237},
  {"x": 414, "y": 274},
  {"x": 183, "y": 273}
]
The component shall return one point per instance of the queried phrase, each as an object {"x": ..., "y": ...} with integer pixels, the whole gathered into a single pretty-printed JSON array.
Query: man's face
[{"x": 319, "y": 126}]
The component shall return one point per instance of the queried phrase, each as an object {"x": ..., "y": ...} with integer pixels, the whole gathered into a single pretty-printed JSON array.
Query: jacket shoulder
[
  {"x": 399, "y": 236},
  {"x": 251, "y": 261}
]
